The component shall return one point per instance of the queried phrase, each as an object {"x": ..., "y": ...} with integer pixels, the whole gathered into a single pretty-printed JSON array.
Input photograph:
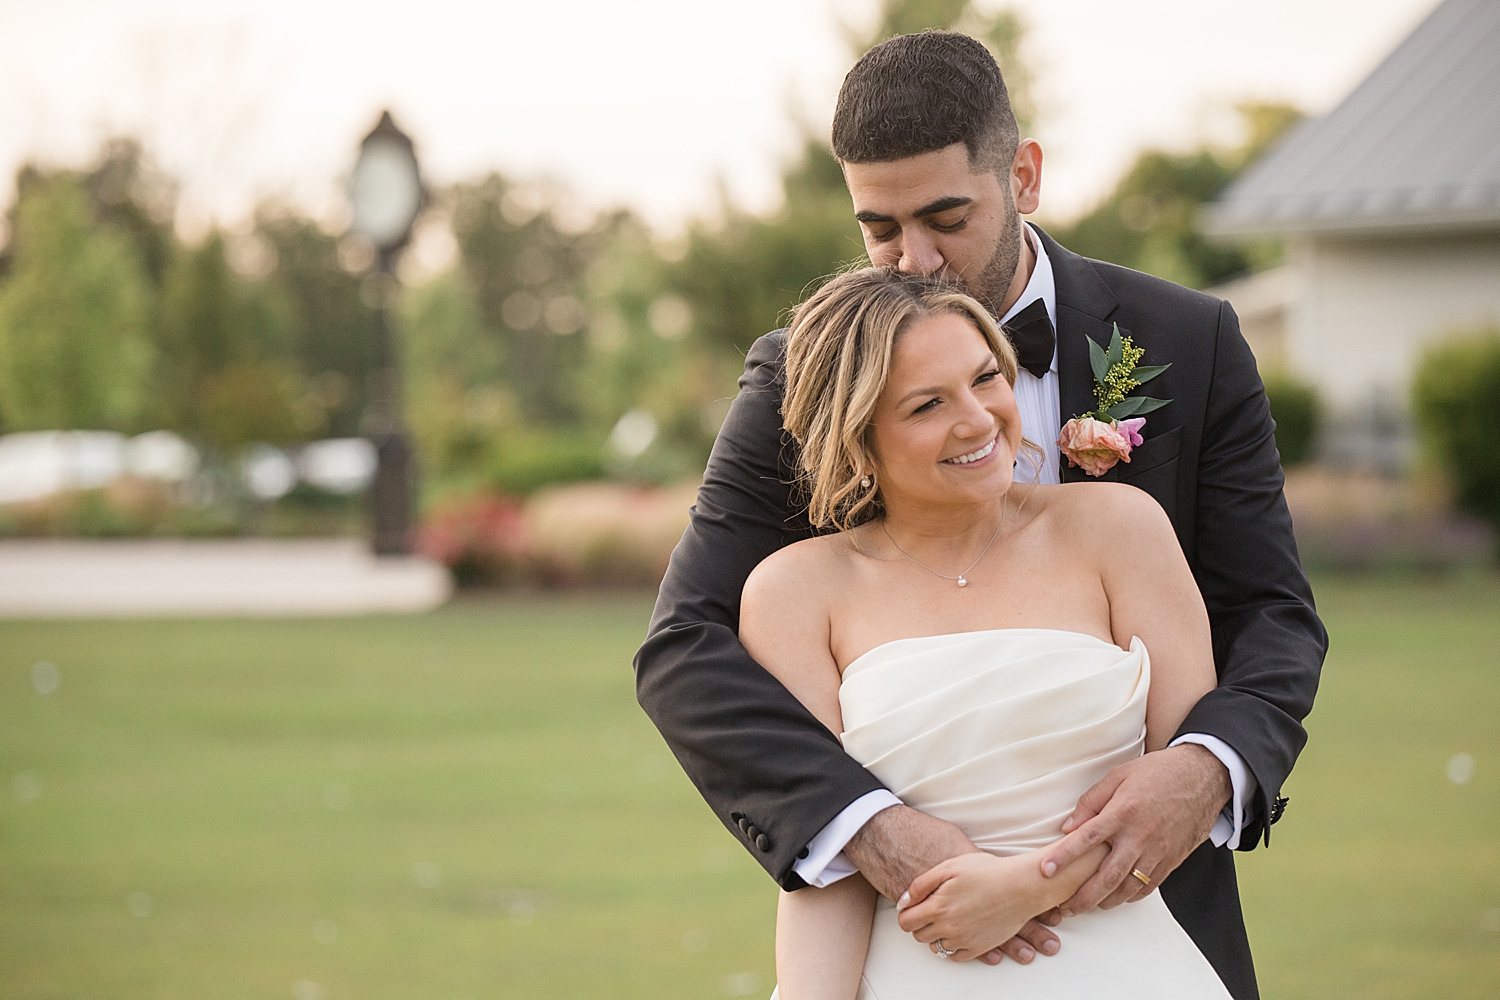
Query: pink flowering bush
[
  {"x": 581, "y": 534},
  {"x": 480, "y": 538}
]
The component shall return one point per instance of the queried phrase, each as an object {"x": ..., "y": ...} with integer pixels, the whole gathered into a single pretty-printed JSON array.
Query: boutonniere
[{"x": 1096, "y": 440}]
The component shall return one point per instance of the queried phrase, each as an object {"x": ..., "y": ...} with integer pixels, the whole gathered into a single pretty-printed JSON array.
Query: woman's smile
[{"x": 975, "y": 457}]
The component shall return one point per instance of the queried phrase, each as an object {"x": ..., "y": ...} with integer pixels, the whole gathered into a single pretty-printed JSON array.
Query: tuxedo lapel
[{"x": 1084, "y": 305}]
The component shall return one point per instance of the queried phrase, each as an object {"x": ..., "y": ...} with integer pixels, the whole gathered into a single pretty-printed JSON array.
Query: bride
[{"x": 985, "y": 654}]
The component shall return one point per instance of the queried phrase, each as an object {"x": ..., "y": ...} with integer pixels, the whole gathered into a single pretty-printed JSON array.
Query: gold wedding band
[{"x": 1145, "y": 879}]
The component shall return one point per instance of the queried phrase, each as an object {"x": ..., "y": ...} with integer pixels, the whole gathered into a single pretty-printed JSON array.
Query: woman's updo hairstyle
[{"x": 838, "y": 359}]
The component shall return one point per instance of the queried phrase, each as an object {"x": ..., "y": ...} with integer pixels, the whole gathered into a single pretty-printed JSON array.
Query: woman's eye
[
  {"x": 925, "y": 406},
  {"x": 987, "y": 377}
]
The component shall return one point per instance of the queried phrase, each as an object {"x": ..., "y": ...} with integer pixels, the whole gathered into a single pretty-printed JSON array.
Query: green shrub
[
  {"x": 526, "y": 460},
  {"x": 1454, "y": 397},
  {"x": 1297, "y": 412}
]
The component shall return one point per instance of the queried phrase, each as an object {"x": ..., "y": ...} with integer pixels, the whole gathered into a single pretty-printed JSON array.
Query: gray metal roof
[{"x": 1415, "y": 147}]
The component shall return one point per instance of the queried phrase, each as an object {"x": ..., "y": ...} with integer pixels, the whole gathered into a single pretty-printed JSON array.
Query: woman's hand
[{"x": 972, "y": 903}]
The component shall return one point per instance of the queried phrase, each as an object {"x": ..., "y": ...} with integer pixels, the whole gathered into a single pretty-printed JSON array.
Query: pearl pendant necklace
[{"x": 961, "y": 579}]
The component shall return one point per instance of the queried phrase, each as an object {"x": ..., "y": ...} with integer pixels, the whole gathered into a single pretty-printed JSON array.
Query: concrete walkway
[{"x": 254, "y": 577}]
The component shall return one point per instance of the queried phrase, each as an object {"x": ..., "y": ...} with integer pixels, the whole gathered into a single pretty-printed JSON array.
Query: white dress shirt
[{"x": 1041, "y": 422}]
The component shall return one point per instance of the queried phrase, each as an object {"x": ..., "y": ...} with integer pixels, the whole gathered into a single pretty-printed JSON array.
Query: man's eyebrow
[
  {"x": 932, "y": 208},
  {"x": 942, "y": 205}
]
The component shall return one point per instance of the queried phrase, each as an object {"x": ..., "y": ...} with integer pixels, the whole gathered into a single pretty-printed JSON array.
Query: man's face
[{"x": 931, "y": 214}]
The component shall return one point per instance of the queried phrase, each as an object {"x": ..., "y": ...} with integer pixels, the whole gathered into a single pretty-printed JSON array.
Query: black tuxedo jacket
[{"x": 776, "y": 776}]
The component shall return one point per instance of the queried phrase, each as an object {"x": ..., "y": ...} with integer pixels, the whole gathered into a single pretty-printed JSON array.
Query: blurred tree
[
  {"x": 130, "y": 193},
  {"x": 74, "y": 349},
  {"x": 1149, "y": 221},
  {"x": 467, "y": 417},
  {"x": 332, "y": 330},
  {"x": 455, "y": 396},
  {"x": 742, "y": 274},
  {"x": 227, "y": 372},
  {"x": 646, "y": 358},
  {"x": 527, "y": 272},
  {"x": 126, "y": 191}
]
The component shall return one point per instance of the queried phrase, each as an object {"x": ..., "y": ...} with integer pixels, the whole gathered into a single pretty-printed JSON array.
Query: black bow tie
[{"x": 1030, "y": 333}]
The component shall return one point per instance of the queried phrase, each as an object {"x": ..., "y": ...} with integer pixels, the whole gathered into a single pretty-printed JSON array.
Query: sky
[{"x": 654, "y": 104}]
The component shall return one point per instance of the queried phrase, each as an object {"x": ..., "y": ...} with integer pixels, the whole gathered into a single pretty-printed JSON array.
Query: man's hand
[
  {"x": 900, "y": 843},
  {"x": 1153, "y": 812}
]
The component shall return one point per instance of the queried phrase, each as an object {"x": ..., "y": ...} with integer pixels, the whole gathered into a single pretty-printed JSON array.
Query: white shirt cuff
[
  {"x": 825, "y": 863},
  {"x": 1231, "y": 822}
]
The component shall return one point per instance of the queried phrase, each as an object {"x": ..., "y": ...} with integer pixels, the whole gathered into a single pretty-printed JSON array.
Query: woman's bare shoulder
[
  {"x": 799, "y": 572},
  {"x": 1104, "y": 512}
]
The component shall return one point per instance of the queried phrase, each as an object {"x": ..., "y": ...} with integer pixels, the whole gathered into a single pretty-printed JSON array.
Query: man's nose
[{"x": 919, "y": 255}]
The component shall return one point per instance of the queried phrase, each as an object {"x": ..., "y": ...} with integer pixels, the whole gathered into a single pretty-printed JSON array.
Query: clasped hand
[
  {"x": 970, "y": 903},
  {"x": 1145, "y": 815}
]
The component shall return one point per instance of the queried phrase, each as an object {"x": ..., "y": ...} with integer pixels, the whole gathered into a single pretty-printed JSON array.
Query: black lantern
[{"x": 386, "y": 195}]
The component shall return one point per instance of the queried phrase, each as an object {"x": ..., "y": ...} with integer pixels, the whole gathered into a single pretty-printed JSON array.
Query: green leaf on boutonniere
[
  {"x": 1145, "y": 373},
  {"x": 1098, "y": 361},
  {"x": 1116, "y": 349},
  {"x": 1135, "y": 406}
]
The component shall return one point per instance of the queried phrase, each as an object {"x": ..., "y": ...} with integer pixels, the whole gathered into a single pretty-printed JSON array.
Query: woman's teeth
[{"x": 972, "y": 456}]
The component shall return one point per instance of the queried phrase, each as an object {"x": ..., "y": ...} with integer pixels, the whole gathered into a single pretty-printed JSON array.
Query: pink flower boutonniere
[{"x": 1095, "y": 441}]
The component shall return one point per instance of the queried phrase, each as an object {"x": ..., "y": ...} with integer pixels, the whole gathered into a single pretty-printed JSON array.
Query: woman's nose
[{"x": 974, "y": 421}]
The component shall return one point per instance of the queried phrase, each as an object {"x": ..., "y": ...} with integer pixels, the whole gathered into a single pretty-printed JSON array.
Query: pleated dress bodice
[{"x": 999, "y": 732}]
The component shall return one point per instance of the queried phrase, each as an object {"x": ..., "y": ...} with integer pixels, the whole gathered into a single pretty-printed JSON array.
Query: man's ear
[{"x": 1026, "y": 176}]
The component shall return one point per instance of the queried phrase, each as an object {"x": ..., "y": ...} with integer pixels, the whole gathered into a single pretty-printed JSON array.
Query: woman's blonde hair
[{"x": 838, "y": 359}]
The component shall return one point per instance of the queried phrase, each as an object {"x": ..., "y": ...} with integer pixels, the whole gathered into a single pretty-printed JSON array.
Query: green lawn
[{"x": 470, "y": 805}]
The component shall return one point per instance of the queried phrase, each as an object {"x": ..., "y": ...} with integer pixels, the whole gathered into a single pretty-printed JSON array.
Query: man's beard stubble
[{"x": 994, "y": 281}]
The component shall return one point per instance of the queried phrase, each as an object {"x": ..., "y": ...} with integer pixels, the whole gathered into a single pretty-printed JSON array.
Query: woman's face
[{"x": 946, "y": 427}]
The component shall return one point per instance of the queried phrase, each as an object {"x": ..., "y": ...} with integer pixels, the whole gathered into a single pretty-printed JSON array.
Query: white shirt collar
[{"x": 1041, "y": 286}]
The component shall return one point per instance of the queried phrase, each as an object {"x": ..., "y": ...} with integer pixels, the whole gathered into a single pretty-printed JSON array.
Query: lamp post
[{"x": 386, "y": 194}]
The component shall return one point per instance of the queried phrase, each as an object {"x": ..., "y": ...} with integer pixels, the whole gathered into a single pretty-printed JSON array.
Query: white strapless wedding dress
[{"x": 1000, "y": 732}]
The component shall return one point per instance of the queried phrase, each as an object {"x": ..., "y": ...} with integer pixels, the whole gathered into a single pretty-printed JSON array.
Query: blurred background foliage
[
  {"x": 545, "y": 346},
  {"x": 1455, "y": 391},
  {"x": 1149, "y": 221},
  {"x": 1298, "y": 414},
  {"x": 522, "y": 354}
]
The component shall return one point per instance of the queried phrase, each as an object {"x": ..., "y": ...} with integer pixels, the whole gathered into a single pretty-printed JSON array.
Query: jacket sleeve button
[
  {"x": 751, "y": 831},
  {"x": 763, "y": 842},
  {"x": 802, "y": 854}
]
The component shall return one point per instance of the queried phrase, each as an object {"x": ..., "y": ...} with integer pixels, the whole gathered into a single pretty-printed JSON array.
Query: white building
[{"x": 1390, "y": 209}]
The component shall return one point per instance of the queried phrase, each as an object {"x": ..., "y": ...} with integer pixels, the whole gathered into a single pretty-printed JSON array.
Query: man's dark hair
[{"x": 917, "y": 93}]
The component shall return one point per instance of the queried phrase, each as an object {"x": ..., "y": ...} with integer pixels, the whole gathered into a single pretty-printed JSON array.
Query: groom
[{"x": 939, "y": 180}]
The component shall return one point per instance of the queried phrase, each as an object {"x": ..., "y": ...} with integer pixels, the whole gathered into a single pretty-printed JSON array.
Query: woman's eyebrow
[{"x": 934, "y": 391}]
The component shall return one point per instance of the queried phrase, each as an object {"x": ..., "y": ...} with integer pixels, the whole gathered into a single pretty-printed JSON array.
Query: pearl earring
[{"x": 864, "y": 482}]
